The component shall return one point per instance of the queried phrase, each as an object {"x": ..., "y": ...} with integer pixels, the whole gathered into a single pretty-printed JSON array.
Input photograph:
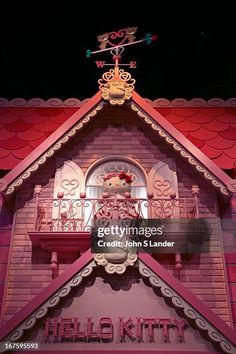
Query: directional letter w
[{"x": 100, "y": 64}]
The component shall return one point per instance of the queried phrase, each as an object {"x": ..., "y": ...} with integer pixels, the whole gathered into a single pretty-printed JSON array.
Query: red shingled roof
[
  {"x": 22, "y": 129},
  {"x": 211, "y": 129}
]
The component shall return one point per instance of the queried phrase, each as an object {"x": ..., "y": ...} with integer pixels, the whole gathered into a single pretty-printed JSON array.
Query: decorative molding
[
  {"x": 155, "y": 281},
  {"x": 195, "y": 102},
  {"x": 162, "y": 187},
  {"x": 163, "y": 179},
  {"x": 117, "y": 165},
  {"x": 69, "y": 186},
  {"x": 159, "y": 102},
  {"x": 51, "y": 151},
  {"x": 39, "y": 102},
  {"x": 110, "y": 159},
  {"x": 232, "y": 185},
  {"x": 180, "y": 304},
  {"x": 116, "y": 86},
  {"x": 113, "y": 262},
  {"x": 183, "y": 152}
]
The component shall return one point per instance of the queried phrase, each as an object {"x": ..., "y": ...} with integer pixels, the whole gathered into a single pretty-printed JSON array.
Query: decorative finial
[{"x": 117, "y": 85}]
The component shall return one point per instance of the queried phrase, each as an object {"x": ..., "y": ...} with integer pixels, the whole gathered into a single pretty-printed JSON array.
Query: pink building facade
[{"x": 54, "y": 292}]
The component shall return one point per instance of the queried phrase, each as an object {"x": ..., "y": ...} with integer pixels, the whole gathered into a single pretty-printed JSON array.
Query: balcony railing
[{"x": 73, "y": 215}]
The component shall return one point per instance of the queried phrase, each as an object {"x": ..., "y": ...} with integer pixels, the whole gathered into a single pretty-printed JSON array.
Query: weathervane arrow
[
  {"x": 116, "y": 85},
  {"x": 147, "y": 39}
]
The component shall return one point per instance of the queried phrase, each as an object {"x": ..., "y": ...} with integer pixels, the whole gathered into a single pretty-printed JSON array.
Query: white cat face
[{"x": 115, "y": 185}]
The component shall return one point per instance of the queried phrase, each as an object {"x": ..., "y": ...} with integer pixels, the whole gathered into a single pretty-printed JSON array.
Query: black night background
[{"x": 42, "y": 49}]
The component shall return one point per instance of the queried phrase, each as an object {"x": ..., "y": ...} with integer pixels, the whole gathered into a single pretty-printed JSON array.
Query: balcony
[
  {"x": 63, "y": 225},
  {"x": 77, "y": 215}
]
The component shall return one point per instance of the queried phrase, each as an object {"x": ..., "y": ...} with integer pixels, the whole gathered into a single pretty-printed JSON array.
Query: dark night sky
[{"x": 42, "y": 51}]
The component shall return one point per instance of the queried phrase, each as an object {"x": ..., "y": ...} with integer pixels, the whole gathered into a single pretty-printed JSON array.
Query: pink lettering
[
  {"x": 139, "y": 329},
  {"x": 100, "y": 64},
  {"x": 133, "y": 64},
  {"x": 90, "y": 333},
  {"x": 106, "y": 330},
  {"x": 125, "y": 329},
  {"x": 180, "y": 326},
  {"x": 51, "y": 328},
  {"x": 76, "y": 332},
  {"x": 65, "y": 329},
  {"x": 150, "y": 322},
  {"x": 165, "y": 322}
]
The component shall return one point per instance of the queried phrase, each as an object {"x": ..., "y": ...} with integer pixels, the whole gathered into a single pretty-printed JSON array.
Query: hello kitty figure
[
  {"x": 117, "y": 206},
  {"x": 117, "y": 188},
  {"x": 118, "y": 185}
]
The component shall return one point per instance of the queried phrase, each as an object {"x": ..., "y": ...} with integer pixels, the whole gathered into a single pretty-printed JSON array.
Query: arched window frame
[{"x": 133, "y": 168}]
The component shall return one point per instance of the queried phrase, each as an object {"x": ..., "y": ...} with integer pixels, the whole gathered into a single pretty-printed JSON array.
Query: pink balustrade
[{"x": 71, "y": 215}]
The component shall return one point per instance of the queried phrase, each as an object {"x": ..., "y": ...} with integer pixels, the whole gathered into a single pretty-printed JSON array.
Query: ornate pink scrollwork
[
  {"x": 114, "y": 39},
  {"x": 44, "y": 219},
  {"x": 117, "y": 209},
  {"x": 78, "y": 214},
  {"x": 162, "y": 188},
  {"x": 69, "y": 186}
]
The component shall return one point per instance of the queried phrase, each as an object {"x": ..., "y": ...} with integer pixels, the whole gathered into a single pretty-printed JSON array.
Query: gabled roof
[
  {"x": 145, "y": 111},
  {"x": 211, "y": 125},
  {"x": 190, "y": 306}
]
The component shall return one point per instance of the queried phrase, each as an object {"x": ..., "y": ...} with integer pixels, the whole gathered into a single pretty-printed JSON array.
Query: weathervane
[{"x": 117, "y": 85}]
